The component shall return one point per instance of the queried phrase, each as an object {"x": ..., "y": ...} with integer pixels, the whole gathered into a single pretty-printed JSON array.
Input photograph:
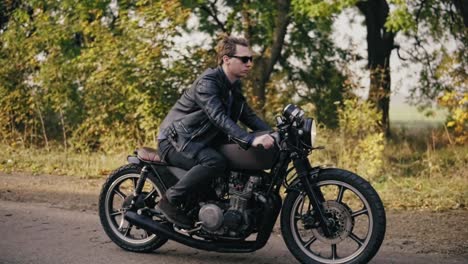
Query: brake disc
[{"x": 341, "y": 221}]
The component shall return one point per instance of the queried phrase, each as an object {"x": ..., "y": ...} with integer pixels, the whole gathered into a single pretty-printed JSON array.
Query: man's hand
[{"x": 265, "y": 140}]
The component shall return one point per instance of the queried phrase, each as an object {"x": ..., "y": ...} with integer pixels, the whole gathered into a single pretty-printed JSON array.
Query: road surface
[{"x": 42, "y": 234}]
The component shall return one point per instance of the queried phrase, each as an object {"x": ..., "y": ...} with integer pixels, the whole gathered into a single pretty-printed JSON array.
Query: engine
[{"x": 234, "y": 217}]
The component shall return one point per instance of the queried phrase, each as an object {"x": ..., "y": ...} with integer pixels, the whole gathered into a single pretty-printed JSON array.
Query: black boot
[{"x": 173, "y": 214}]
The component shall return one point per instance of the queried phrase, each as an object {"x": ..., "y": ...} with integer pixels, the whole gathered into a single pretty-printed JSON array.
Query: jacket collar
[{"x": 226, "y": 81}]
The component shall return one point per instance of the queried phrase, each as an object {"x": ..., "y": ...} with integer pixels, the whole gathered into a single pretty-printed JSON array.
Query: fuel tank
[{"x": 250, "y": 159}]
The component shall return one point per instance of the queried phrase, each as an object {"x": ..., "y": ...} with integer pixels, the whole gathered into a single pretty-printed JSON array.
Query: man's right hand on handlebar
[{"x": 266, "y": 141}]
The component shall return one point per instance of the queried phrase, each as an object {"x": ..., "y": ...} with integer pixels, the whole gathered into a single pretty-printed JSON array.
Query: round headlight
[
  {"x": 310, "y": 131},
  {"x": 313, "y": 133}
]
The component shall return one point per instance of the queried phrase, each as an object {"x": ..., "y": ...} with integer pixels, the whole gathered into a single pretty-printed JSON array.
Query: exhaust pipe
[
  {"x": 272, "y": 209},
  {"x": 157, "y": 228}
]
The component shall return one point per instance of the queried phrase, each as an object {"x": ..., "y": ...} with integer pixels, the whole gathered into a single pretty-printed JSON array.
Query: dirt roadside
[{"x": 416, "y": 232}]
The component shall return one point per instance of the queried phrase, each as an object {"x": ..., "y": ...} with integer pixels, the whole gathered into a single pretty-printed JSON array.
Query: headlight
[
  {"x": 310, "y": 131},
  {"x": 313, "y": 133},
  {"x": 305, "y": 126}
]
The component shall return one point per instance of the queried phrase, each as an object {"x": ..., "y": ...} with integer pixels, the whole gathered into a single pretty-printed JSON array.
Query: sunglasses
[{"x": 244, "y": 59}]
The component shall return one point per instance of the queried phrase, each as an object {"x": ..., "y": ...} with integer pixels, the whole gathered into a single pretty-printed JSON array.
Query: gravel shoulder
[{"x": 413, "y": 232}]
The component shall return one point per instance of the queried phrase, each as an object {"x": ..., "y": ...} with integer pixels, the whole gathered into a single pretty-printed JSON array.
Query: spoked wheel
[
  {"x": 115, "y": 199},
  {"x": 356, "y": 216}
]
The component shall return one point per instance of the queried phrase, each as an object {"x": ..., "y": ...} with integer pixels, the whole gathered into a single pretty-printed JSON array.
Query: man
[{"x": 205, "y": 112}]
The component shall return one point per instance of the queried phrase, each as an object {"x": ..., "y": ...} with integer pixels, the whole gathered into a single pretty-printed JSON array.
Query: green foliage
[
  {"x": 99, "y": 76},
  {"x": 358, "y": 118},
  {"x": 88, "y": 74},
  {"x": 304, "y": 71},
  {"x": 317, "y": 80},
  {"x": 430, "y": 25},
  {"x": 358, "y": 145},
  {"x": 457, "y": 103},
  {"x": 358, "y": 122},
  {"x": 400, "y": 19},
  {"x": 318, "y": 8}
]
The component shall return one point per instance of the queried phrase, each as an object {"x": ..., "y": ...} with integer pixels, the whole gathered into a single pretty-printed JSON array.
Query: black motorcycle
[{"x": 328, "y": 215}]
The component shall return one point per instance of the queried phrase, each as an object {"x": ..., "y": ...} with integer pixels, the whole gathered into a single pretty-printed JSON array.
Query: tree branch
[
  {"x": 213, "y": 13},
  {"x": 246, "y": 23},
  {"x": 281, "y": 24}
]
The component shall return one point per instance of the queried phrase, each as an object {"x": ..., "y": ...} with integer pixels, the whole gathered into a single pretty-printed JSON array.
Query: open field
[{"x": 409, "y": 117}]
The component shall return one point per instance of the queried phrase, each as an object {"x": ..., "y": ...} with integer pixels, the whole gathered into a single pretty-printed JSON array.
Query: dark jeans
[{"x": 200, "y": 170}]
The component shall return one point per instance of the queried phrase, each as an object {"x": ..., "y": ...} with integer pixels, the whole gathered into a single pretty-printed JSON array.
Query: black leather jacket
[{"x": 202, "y": 112}]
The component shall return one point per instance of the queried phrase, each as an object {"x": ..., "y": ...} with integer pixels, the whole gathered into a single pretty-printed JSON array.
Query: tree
[
  {"x": 426, "y": 23},
  {"x": 96, "y": 75},
  {"x": 281, "y": 36},
  {"x": 430, "y": 26},
  {"x": 437, "y": 31},
  {"x": 263, "y": 23},
  {"x": 380, "y": 43},
  {"x": 88, "y": 73}
]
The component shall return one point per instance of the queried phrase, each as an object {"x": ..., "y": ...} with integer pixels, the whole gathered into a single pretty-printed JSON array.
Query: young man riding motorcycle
[{"x": 204, "y": 113}]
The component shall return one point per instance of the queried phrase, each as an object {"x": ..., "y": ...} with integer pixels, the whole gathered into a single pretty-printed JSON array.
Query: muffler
[
  {"x": 150, "y": 225},
  {"x": 272, "y": 207}
]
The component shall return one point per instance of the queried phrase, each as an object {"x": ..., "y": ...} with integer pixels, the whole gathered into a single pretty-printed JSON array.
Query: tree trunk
[
  {"x": 64, "y": 131},
  {"x": 43, "y": 129},
  {"x": 380, "y": 43},
  {"x": 263, "y": 67},
  {"x": 462, "y": 8},
  {"x": 6, "y": 9}
]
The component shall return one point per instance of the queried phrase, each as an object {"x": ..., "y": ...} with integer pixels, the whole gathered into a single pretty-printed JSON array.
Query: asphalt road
[{"x": 40, "y": 234}]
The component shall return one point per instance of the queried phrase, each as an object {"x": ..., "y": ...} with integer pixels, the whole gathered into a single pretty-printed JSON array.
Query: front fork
[{"x": 308, "y": 177}]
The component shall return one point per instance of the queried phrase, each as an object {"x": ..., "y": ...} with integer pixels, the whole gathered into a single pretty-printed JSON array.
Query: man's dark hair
[{"x": 227, "y": 46}]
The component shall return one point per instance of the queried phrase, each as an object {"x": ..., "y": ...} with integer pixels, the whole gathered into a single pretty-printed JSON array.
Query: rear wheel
[
  {"x": 354, "y": 210},
  {"x": 114, "y": 200}
]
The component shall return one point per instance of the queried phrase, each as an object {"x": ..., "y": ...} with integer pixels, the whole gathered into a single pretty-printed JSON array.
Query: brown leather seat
[{"x": 149, "y": 155}]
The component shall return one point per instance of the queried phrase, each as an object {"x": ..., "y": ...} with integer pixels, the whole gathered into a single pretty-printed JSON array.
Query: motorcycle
[{"x": 328, "y": 215}]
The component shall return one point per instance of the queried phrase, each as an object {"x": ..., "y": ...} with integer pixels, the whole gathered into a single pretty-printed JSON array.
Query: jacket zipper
[
  {"x": 194, "y": 135},
  {"x": 201, "y": 129},
  {"x": 240, "y": 113},
  {"x": 182, "y": 124}
]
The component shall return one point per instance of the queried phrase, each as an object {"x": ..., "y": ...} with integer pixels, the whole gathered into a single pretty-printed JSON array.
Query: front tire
[
  {"x": 114, "y": 199},
  {"x": 351, "y": 204}
]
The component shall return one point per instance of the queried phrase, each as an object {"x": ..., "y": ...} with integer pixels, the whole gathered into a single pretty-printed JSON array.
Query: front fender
[{"x": 314, "y": 174}]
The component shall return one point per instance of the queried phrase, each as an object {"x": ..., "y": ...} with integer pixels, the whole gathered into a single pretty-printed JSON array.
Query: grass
[
  {"x": 423, "y": 171},
  {"x": 426, "y": 193},
  {"x": 421, "y": 168},
  {"x": 57, "y": 162}
]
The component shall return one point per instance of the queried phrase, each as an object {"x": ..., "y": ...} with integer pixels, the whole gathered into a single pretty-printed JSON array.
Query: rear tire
[
  {"x": 356, "y": 210},
  {"x": 114, "y": 198}
]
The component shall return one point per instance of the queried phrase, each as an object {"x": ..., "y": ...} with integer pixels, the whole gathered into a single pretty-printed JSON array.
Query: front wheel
[{"x": 356, "y": 214}]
